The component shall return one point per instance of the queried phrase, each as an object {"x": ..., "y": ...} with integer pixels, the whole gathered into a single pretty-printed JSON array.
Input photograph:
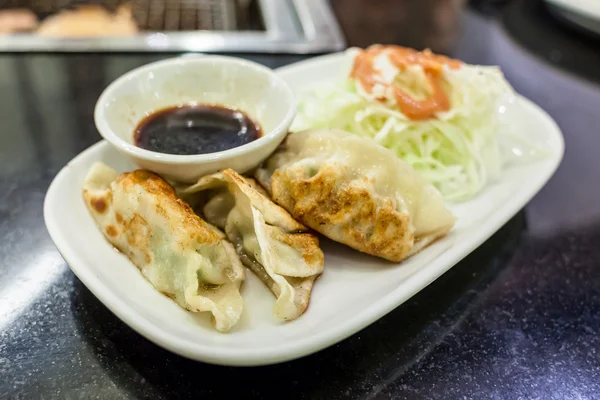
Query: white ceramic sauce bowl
[{"x": 233, "y": 82}]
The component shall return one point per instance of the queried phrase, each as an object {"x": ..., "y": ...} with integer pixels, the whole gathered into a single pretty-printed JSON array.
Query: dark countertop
[{"x": 517, "y": 319}]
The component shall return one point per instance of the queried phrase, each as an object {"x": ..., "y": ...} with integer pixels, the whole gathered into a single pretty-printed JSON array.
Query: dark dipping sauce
[{"x": 195, "y": 129}]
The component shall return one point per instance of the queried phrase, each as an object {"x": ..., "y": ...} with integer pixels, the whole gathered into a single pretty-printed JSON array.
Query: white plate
[
  {"x": 585, "y": 13},
  {"x": 354, "y": 291}
]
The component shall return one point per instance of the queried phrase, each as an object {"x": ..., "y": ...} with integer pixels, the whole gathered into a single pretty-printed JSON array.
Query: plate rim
[{"x": 322, "y": 339}]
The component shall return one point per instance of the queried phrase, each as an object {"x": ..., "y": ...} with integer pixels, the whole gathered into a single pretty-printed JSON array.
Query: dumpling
[
  {"x": 355, "y": 192},
  {"x": 180, "y": 254},
  {"x": 278, "y": 249}
]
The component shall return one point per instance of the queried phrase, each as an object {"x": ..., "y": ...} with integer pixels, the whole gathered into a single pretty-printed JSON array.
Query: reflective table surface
[{"x": 517, "y": 319}]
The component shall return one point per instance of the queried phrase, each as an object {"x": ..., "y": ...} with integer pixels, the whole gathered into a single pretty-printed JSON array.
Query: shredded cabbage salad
[{"x": 458, "y": 152}]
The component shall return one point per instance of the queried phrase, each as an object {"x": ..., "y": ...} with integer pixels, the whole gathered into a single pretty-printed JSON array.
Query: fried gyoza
[
  {"x": 278, "y": 249},
  {"x": 355, "y": 192},
  {"x": 180, "y": 254}
]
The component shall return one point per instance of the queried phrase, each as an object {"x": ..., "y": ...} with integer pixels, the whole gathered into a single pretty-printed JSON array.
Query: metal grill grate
[
  {"x": 244, "y": 26},
  {"x": 185, "y": 15},
  {"x": 152, "y": 15}
]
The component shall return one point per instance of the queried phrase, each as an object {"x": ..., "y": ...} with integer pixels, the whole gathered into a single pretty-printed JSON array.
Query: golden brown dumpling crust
[
  {"x": 180, "y": 254},
  {"x": 283, "y": 253},
  {"x": 355, "y": 192},
  {"x": 176, "y": 211},
  {"x": 348, "y": 214}
]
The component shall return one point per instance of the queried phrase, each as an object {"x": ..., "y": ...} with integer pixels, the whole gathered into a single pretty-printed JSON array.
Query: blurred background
[{"x": 263, "y": 26}]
